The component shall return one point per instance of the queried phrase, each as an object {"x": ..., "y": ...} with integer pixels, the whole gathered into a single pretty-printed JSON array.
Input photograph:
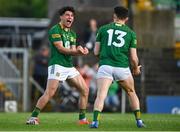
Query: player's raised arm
[
  {"x": 70, "y": 51},
  {"x": 62, "y": 49}
]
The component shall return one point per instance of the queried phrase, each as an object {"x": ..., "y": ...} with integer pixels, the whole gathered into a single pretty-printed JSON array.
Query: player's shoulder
[
  {"x": 105, "y": 26},
  {"x": 53, "y": 28}
]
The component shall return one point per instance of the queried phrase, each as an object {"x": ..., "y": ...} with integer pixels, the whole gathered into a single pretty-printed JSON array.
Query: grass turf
[{"x": 108, "y": 122}]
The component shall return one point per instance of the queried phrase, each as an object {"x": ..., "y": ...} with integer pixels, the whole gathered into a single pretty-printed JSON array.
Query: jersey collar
[{"x": 118, "y": 24}]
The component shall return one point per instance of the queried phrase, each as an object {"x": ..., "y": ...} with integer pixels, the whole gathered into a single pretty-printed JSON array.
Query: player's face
[{"x": 67, "y": 19}]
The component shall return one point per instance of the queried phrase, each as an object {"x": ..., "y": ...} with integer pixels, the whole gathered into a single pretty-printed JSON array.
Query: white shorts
[
  {"x": 61, "y": 73},
  {"x": 114, "y": 73}
]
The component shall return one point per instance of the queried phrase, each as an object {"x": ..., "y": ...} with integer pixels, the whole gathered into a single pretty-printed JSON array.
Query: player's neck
[
  {"x": 121, "y": 22},
  {"x": 64, "y": 27}
]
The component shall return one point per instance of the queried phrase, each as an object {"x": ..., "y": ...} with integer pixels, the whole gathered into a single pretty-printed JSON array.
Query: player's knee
[
  {"x": 49, "y": 93},
  {"x": 130, "y": 91}
]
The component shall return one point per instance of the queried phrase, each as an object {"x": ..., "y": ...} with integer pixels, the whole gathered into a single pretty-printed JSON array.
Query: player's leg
[
  {"x": 102, "y": 90},
  {"x": 128, "y": 85},
  {"x": 103, "y": 85},
  {"x": 51, "y": 88},
  {"x": 104, "y": 80},
  {"x": 54, "y": 77},
  {"x": 79, "y": 83}
]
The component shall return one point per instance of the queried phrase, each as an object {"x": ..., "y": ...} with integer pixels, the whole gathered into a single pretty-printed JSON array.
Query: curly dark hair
[
  {"x": 66, "y": 8},
  {"x": 121, "y": 12}
]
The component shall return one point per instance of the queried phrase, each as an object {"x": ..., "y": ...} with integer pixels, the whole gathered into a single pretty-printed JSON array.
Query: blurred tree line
[{"x": 23, "y": 8}]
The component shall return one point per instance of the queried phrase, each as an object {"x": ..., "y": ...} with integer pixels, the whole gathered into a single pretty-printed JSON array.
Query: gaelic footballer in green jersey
[
  {"x": 115, "y": 41},
  {"x": 68, "y": 38},
  {"x": 63, "y": 46},
  {"x": 116, "y": 45}
]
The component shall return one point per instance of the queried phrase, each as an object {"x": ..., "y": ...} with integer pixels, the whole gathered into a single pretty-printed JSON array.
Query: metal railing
[{"x": 10, "y": 74}]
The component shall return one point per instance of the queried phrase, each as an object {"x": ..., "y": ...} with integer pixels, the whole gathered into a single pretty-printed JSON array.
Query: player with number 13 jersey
[
  {"x": 116, "y": 46},
  {"x": 115, "y": 40}
]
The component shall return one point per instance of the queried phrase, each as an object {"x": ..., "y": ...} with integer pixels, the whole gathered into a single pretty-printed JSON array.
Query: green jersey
[
  {"x": 115, "y": 43},
  {"x": 68, "y": 38}
]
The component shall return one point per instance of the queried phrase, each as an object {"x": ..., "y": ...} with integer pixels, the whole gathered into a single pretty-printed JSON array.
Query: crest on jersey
[
  {"x": 72, "y": 39},
  {"x": 57, "y": 74}
]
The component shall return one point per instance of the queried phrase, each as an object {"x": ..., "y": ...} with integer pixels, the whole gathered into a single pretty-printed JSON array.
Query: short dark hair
[
  {"x": 66, "y": 8},
  {"x": 121, "y": 12}
]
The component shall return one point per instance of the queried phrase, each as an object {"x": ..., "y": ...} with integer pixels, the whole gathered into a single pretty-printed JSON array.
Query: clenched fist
[
  {"x": 83, "y": 51},
  {"x": 136, "y": 71}
]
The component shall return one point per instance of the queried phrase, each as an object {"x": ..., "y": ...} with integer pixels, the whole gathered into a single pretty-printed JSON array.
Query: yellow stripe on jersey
[{"x": 56, "y": 35}]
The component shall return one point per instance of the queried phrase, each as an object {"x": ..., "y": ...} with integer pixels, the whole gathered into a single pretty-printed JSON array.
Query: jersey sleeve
[
  {"x": 98, "y": 35},
  {"x": 54, "y": 35},
  {"x": 133, "y": 41}
]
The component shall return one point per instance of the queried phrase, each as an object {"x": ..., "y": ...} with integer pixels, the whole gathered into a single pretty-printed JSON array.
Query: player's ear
[
  {"x": 126, "y": 19},
  {"x": 114, "y": 17},
  {"x": 60, "y": 17}
]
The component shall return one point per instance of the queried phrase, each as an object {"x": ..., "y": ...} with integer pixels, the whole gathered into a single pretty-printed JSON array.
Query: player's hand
[
  {"x": 80, "y": 49},
  {"x": 86, "y": 51},
  {"x": 136, "y": 71}
]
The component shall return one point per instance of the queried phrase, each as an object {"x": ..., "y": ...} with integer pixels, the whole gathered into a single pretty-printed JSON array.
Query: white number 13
[{"x": 120, "y": 36}]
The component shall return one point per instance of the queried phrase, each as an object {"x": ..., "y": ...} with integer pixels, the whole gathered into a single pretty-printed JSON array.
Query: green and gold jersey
[
  {"x": 115, "y": 43},
  {"x": 68, "y": 37}
]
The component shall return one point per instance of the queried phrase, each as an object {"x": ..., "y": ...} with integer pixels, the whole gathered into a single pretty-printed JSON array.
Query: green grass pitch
[{"x": 108, "y": 122}]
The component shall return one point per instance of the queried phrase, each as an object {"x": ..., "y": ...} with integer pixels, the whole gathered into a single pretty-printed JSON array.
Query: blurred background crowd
[{"x": 24, "y": 50}]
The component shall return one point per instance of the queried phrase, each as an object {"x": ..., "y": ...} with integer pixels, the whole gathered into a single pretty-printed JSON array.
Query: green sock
[
  {"x": 96, "y": 115},
  {"x": 137, "y": 114},
  {"x": 35, "y": 112},
  {"x": 82, "y": 113}
]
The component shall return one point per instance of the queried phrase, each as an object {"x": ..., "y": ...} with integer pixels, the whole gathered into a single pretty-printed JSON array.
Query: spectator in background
[
  {"x": 93, "y": 87},
  {"x": 85, "y": 71},
  {"x": 41, "y": 64},
  {"x": 112, "y": 99},
  {"x": 40, "y": 70},
  {"x": 89, "y": 75},
  {"x": 90, "y": 35}
]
